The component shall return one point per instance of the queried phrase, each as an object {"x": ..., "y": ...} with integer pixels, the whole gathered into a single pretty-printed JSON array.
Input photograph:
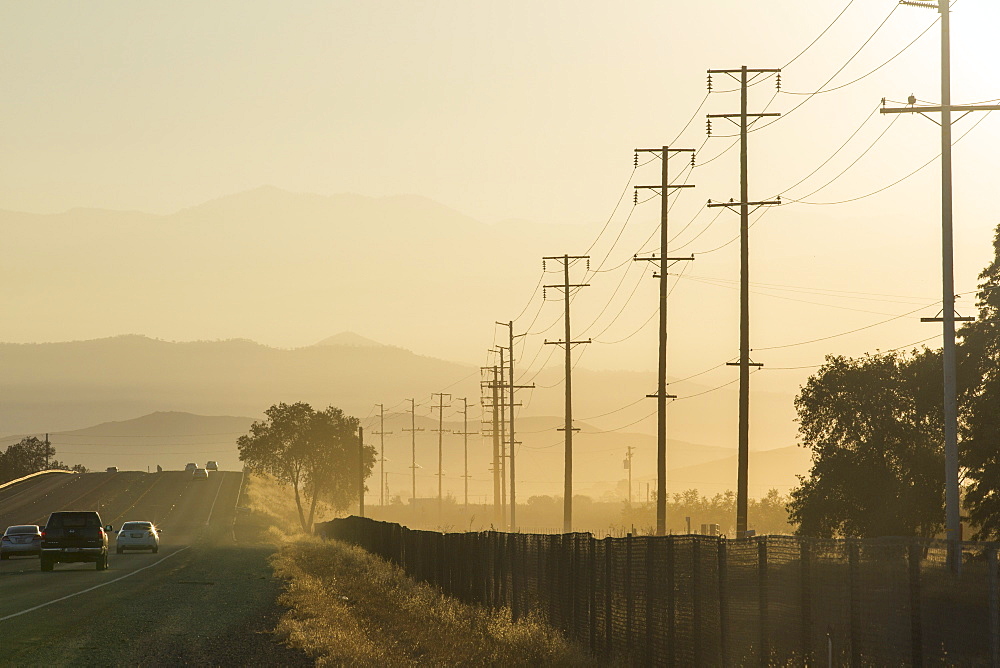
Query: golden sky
[{"x": 518, "y": 110}]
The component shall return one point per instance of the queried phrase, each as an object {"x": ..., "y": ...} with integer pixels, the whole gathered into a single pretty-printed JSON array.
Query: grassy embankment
[{"x": 349, "y": 607}]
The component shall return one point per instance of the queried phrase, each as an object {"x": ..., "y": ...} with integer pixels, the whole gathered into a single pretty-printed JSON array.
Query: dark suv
[{"x": 75, "y": 535}]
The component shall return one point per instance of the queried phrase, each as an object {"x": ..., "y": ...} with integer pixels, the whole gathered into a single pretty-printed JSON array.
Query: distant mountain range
[{"x": 171, "y": 439}]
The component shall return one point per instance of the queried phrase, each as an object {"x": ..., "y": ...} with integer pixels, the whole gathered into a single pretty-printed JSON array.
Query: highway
[{"x": 203, "y": 598}]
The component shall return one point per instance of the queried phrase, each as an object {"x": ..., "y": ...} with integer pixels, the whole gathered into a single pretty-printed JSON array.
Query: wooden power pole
[{"x": 568, "y": 343}]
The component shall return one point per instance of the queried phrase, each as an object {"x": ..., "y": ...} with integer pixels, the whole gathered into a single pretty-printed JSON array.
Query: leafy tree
[
  {"x": 979, "y": 371},
  {"x": 874, "y": 427},
  {"x": 314, "y": 452},
  {"x": 24, "y": 458}
]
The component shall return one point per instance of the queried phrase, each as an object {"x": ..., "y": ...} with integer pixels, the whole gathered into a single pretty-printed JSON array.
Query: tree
[
  {"x": 874, "y": 427},
  {"x": 314, "y": 452},
  {"x": 979, "y": 372},
  {"x": 25, "y": 457}
]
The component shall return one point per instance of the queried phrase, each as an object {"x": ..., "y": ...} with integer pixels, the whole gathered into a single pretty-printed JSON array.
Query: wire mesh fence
[{"x": 709, "y": 601}]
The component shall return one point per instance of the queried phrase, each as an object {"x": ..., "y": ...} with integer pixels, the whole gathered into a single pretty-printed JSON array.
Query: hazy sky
[{"x": 527, "y": 110}]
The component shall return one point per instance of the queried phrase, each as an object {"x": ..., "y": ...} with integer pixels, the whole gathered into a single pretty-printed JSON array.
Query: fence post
[
  {"x": 608, "y": 597},
  {"x": 854, "y": 583},
  {"x": 696, "y": 598},
  {"x": 650, "y": 585},
  {"x": 671, "y": 627},
  {"x": 994, "y": 609},
  {"x": 916, "y": 623},
  {"x": 592, "y": 617},
  {"x": 805, "y": 611},
  {"x": 629, "y": 601},
  {"x": 723, "y": 603},
  {"x": 765, "y": 653},
  {"x": 574, "y": 586}
]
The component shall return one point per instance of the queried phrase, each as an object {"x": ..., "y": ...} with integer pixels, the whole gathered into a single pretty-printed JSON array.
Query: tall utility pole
[
  {"x": 381, "y": 458},
  {"x": 948, "y": 315},
  {"x": 661, "y": 381},
  {"x": 495, "y": 405},
  {"x": 413, "y": 449},
  {"x": 513, "y": 442},
  {"x": 498, "y": 380},
  {"x": 440, "y": 432},
  {"x": 361, "y": 471},
  {"x": 744, "y": 362},
  {"x": 568, "y": 343},
  {"x": 465, "y": 433}
]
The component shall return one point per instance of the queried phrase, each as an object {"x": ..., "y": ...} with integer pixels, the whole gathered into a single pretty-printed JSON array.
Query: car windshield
[
  {"x": 28, "y": 528},
  {"x": 135, "y": 526}
]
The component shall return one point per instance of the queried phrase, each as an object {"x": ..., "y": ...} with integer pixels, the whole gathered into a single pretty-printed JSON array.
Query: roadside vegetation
[{"x": 348, "y": 607}]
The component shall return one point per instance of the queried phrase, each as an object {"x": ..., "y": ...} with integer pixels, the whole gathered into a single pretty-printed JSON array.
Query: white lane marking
[
  {"x": 212, "y": 509},
  {"x": 84, "y": 591}
]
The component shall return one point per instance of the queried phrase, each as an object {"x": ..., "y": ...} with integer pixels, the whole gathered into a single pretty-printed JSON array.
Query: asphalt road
[{"x": 203, "y": 599}]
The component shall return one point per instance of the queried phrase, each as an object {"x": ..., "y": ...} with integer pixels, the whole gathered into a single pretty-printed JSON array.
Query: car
[
  {"x": 212, "y": 465},
  {"x": 190, "y": 467},
  {"x": 21, "y": 539},
  {"x": 199, "y": 474},
  {"x": 137, "y": 535},
  {"x": 75, "y": 536},
  {"x": 112, "y": 469}
]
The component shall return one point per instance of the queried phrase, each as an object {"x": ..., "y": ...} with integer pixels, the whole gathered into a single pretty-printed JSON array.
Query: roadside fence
[{"x": 691, "y": 600}]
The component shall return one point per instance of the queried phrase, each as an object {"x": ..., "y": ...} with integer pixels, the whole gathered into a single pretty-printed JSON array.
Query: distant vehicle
[
  {"x": 112, "y": 469},
  {"x": 212, "y": 465},
  {"x": 137, "y": 536},
  {"x": 199, "y": 474},
  {"x": 74, "y": 536},
  {"x": 22, "y": 539},
  {"x": 190, "y": 466}
]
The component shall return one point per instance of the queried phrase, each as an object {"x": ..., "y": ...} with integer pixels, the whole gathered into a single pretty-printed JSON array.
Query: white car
[
  {"x": 137, "y": 536},
  {"x": 199, "y": 474},
  {"x": 21, "y": 539},
  {"x": 212, "y": 465}
]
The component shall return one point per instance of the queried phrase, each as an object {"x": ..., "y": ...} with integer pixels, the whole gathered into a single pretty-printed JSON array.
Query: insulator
[
  {"x": 635, "y": 159},
  {"x": 545, "y": 294},
  {"x": 635, "y": 197},
  {"x": 692, "y": 158},
  {"x": 709, "y": 83},
  {"x": 708, "y": 125},
  {"x": 543, "y": 267},
  {"x": 588, "y": 264},
  {"x": 779, "y": 80}
]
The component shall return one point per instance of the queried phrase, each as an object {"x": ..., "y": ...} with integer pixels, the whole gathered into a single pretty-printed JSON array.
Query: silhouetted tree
[
  {"x": 23, "y": 458},
  {"x": 979, "y": 373},
  {"x": 314, "y": 452},
  {"x": 874, "y": 426}
]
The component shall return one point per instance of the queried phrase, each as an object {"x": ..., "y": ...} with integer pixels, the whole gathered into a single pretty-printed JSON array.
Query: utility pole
[
  {"x": 948, "y": 315},
  {"x": 498, "y": 380},
  {"x": 495, "y": 431},
  {"x": 440, "y": 432},
  {"x": 46, "y": 452},
  {"x": 413, "y": 449},
  {"x": 744, "y": 205},
  {"x": 513, "y": 442},
  {"x": 628, "y": 465},
  {"x": 661, "y": 380},
  {"x": 361, "y": 471},
  {"x": 568, "y": 343},
  {"x": 381, "y": 458},
  {"x": 465, "y": 433}
]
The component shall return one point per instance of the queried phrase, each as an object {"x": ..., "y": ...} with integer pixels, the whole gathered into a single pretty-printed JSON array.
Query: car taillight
[{"x": 42, "y": 534}]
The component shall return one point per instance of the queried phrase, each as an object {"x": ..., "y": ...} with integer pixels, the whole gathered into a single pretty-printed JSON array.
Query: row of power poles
[{"x": 499, "y": 386}]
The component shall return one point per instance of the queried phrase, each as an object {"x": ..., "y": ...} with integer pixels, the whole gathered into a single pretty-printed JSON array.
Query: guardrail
[{"x": 32, "y": 475}]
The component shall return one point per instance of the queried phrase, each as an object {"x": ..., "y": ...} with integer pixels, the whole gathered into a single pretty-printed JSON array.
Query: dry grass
[
  {"x": 273, "y": 509},
  {"x": 348, "y": 607}
]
